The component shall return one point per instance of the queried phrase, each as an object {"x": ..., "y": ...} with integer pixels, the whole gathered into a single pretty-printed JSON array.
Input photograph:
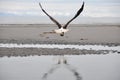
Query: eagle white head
[{"x": 61, "y": 31}]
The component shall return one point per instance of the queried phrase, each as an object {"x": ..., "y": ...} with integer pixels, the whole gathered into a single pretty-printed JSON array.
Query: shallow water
[{"x": 77, "y": 67}]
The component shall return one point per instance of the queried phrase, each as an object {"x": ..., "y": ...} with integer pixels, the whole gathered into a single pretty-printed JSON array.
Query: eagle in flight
[{"x": 61, "y": 29}]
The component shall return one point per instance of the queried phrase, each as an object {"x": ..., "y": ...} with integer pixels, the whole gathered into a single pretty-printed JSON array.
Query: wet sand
[
  {"x": 9, "y": 52},
  {"x": 78, "y": 34}
]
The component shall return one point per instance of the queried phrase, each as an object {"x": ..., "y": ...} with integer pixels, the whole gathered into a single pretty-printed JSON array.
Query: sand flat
[{"x": 77, "y": 33}]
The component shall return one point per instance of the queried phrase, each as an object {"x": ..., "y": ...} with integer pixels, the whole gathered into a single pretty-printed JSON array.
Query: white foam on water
[{"x": 60, "y": 46}]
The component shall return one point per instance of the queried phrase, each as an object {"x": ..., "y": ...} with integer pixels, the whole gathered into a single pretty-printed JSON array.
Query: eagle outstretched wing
[
  {"x": 76, "y": 15},
  {"x": 56, "y": 22}
]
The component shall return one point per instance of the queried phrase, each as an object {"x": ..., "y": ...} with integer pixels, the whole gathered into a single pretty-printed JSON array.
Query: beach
[
  {"x": 84, "y": 34},
  {"x": 31, "y": 33}
]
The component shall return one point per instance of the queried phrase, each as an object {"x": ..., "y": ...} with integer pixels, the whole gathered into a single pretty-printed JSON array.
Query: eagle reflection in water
[{"x": 62, "y": 61}]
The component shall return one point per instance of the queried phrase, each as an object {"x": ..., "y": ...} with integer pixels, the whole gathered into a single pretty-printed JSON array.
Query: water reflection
[
  {"x": 67, "y": 67},
  {"x": 62, "y": 61}
]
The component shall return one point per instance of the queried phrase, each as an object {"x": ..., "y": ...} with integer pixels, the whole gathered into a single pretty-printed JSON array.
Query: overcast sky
[{"x": 28, "y": 11}]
